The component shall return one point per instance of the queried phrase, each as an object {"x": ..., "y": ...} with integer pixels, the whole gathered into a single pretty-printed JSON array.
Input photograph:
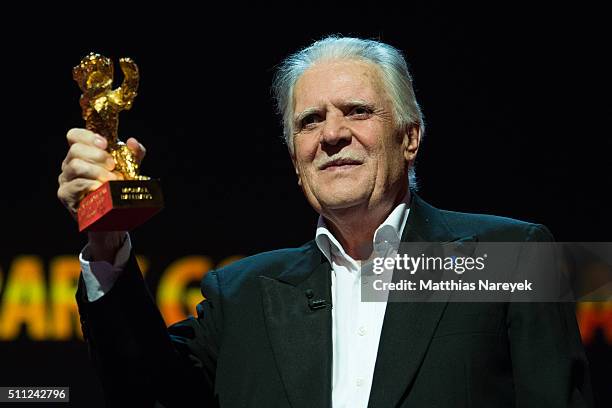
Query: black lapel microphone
[{"x": 315, "y": 304}]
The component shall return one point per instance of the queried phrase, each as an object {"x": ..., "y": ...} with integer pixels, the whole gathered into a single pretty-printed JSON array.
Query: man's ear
[
  {"x": 295, "y": 167},
  {"x": 411, "y": 142}
]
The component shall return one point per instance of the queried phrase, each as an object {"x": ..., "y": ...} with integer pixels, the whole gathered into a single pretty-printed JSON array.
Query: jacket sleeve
[
  {"x": 548, "y": 361},
  {"x": 139, "y": 360}
]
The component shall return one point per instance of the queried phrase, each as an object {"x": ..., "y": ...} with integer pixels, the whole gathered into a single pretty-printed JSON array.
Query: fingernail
[
  {"x": 110, "y": 163},
  {"x": 100, "y": 142}
]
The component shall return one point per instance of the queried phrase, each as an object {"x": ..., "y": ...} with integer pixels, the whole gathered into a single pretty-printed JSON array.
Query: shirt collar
[{"x": 389, "y": 232}]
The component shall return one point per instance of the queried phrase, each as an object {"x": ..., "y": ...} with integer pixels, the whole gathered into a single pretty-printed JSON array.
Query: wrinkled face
[{"x": 348, "y": 152}]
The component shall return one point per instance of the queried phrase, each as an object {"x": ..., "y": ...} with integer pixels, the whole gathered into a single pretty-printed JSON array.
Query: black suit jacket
[{"x": 257, "y": 343}]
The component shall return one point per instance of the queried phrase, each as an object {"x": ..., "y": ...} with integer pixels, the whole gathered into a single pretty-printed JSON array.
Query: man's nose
[{"x": 334, "y": 131}]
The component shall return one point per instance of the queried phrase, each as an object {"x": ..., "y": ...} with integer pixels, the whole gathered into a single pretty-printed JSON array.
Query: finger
[
  {"x": 119, "y": 175},
  {"x": 87, "y": 137},
  {"x": 137, "y": 149},
  {"x": 71, "y": 193},
  {"x": 78, "y": 168},
  {"x": 76, "y": 189},
  {"x": 91, "y": 154}
]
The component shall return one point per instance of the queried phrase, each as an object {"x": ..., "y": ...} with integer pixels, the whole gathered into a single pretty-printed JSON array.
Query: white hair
[{"x": 389, "y": 60}]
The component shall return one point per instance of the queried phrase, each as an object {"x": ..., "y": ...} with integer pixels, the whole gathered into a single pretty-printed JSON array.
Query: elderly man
[{"x": 287, "y": 328}]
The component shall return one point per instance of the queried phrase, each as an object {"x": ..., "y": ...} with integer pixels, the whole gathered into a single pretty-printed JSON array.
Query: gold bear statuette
[{"x": 101, "y": 105}]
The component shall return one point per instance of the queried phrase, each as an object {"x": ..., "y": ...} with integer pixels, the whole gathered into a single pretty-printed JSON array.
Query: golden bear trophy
[{"x": 117, "y": 205}]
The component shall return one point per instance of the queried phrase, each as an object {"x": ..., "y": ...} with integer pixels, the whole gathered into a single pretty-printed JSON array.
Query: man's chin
[{"x": 342, "y": 202}]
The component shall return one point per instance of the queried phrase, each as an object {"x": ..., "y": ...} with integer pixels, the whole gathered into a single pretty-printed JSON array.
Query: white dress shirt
[
  {"x": 356, "y": 325},
  {"x": 100, "y": 276}
]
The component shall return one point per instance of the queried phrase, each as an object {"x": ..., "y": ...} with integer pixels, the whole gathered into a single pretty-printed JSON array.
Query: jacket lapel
[
  {"x": 297, "y": 313},
  {"x": 408, "y": 326}
]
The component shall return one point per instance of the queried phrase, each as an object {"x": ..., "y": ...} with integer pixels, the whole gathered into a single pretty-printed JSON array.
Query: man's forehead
[{"x": 337, "y": 81}]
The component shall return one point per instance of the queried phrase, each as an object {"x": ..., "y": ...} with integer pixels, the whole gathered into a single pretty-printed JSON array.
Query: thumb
[{"x": 137, "y": 149}]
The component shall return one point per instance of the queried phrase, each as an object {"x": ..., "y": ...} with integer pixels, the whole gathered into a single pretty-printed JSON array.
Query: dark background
[{"x": 516, "y": 102}]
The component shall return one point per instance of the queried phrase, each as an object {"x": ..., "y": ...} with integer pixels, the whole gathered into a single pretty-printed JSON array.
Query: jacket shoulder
[
  {"x": 243, "y": 272},
  {"x": 494, "y": 227}
]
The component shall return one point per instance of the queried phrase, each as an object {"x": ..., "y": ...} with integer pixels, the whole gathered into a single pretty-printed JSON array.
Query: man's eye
[
  {"x": 360, "y": 111},
  {"x": 310, "y": 120}
]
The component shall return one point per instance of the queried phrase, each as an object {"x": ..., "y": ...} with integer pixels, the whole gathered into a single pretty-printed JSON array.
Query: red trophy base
[{"x": 120, "y": 205}]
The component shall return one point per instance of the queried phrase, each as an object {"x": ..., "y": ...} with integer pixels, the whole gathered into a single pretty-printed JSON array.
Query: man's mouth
[{"x": 338, "y": 164}]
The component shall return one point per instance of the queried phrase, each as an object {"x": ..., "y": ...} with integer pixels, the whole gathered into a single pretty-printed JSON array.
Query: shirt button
[
  {"x": 359, "y": 382},
  {"x": 362, "y": 331}
]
